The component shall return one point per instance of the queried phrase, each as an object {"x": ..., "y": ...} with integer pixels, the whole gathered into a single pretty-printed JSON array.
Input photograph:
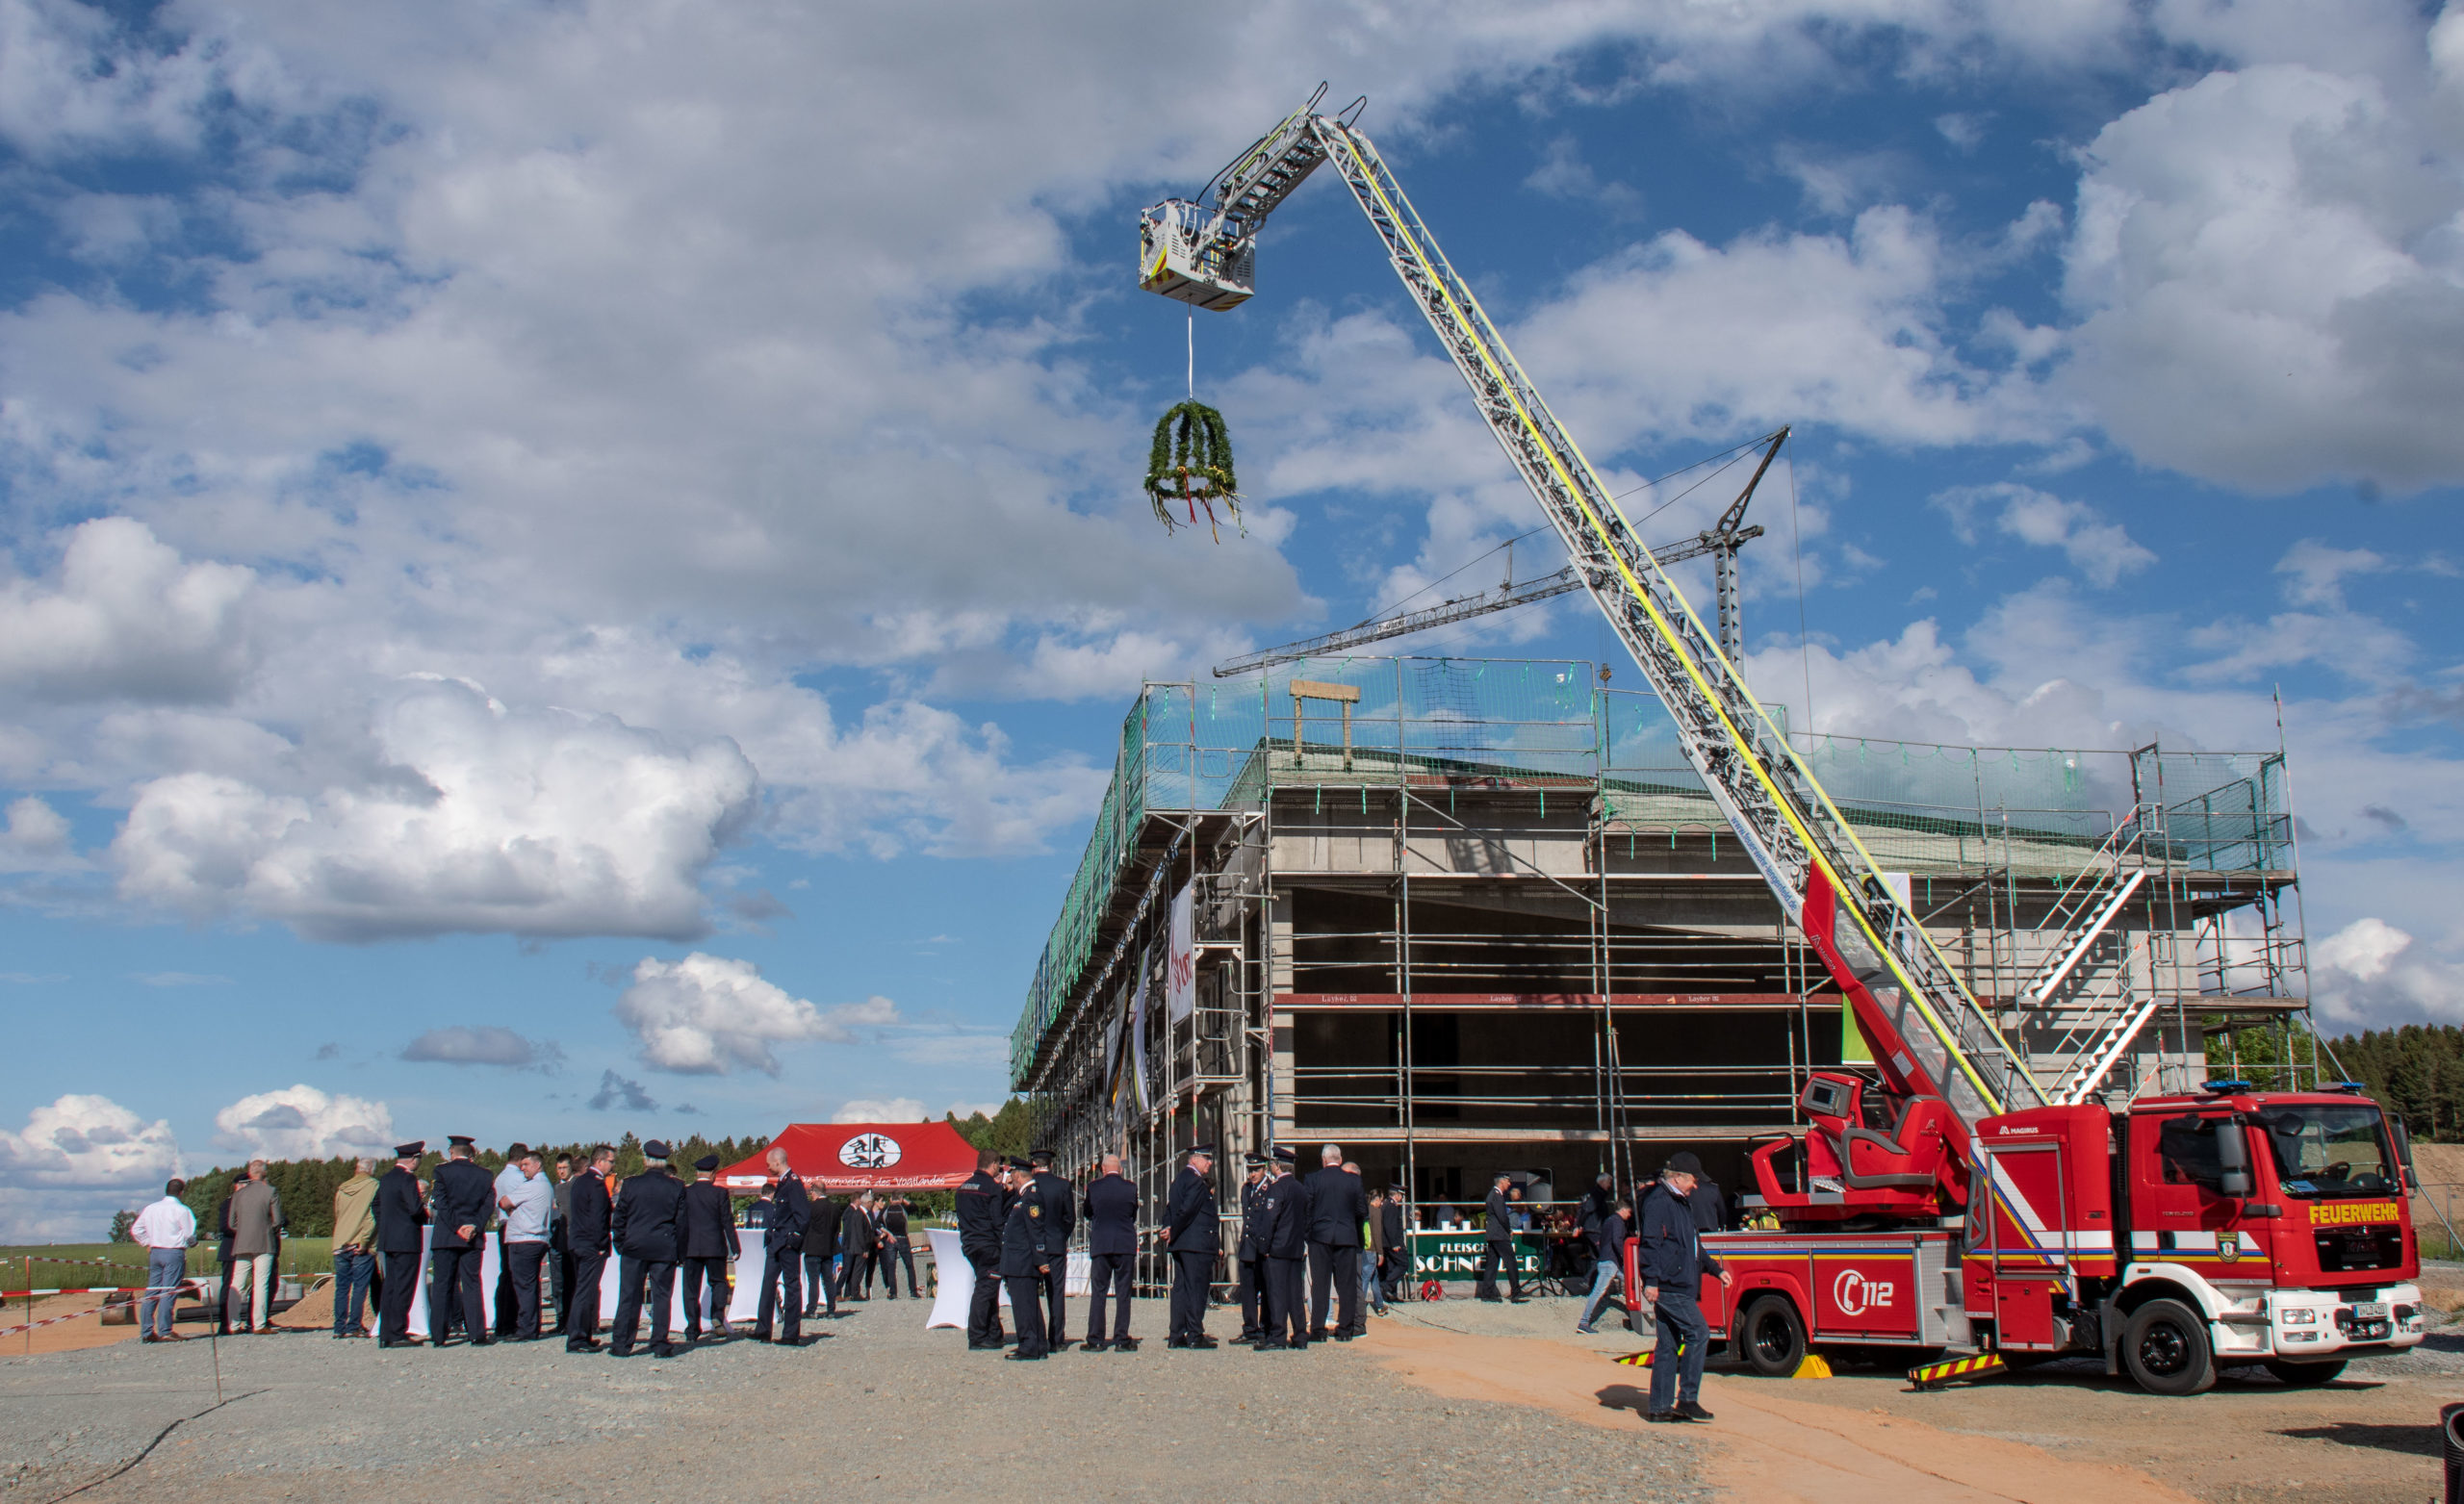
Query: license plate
[{"x": 2370, "y": 1310}]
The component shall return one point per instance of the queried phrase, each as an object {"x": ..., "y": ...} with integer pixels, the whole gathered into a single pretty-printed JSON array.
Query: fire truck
[
  {"x": 2174, "y": 1238},
  {"x": 1956, "y": 1202}
]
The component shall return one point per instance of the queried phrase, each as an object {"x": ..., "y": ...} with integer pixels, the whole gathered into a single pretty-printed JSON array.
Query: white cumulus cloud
[
  {"x": 711, "y": 1014},
  {"x": 301, "y": 1122},
  {"x": 887, "y": 1110},
  {"x": 2369, "y": 971},
  {"x": 75, "y": 1163},
  {"x": 476, "y": 818},
  {"x": 125, "y": 618}
]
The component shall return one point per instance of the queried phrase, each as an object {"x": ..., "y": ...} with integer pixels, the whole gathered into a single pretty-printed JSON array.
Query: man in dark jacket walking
[
  {"x": 710, "y": 1245},
  {"x": 1337, "y": 1208},
  {"x": 1609, "y": 1247},
  {"x": 1394, "y": 1248},
  {"x": 1111, "y": 1251},
  {"x": 400, "y": 1213},
  {"x": 649, "y": 1227},
  {"x": 1672, "y": 1262},
  {"x": 1497, "y": 1245},
  {"x": 784, "y": 1241},
  {"x": 983, "y": 1206},
  {"x": 589, "y": 1217},
  {"x": 462, "y": 1199},
  {"x": 1193, "y": 1235}
]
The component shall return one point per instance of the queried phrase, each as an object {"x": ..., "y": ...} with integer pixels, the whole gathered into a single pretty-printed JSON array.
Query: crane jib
[{"x": 1930, "y": 1034}]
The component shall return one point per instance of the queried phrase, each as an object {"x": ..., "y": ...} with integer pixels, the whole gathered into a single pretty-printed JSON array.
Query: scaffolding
[{"x": 1447, "y": 912}]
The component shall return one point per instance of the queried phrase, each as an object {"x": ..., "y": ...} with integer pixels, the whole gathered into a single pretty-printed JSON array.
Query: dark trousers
[
  {"x": 699, "y": 1272},
  {"x": 1111, "y": 1273},
  {"x": 636, "y": 1277},
  {"x": 1677, "y": 1350},
  {"x": 1285, "y": 1321},
  {"x": 851, "y": 1275},
  {"x": 1492, "y": 1255},
  {"x": 984, "y": 1305},
  {"x": 581, "y": 1318},
  {"x": 394, "y": 1300},
  {"x": 1252, "y": 1277},
  {"x": 519, "y": 1273},
  {"x": 1055, "y": 1305},
  {"x": 820, "y": 1290},
  {"x": 222, "y": 1320},
  {"x": 782, "y": 1295},
  {"x": 1029, "y": 1310},
  {"x": 561, "y": 1271},
  {"x": 900, "y": 1251},
  {"x": 453, "y": 1294},
  {"x": 1193, "y": 1276},
  {"x": 1391, "y": 1263},
  {"x": 351, "y": 1272},
  {"x": 1341, "y": 1263},
  {"x": 507, "y": 1316}
]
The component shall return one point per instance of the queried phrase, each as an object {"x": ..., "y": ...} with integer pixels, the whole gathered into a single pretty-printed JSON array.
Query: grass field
[{"x": 301, "y": 1256}]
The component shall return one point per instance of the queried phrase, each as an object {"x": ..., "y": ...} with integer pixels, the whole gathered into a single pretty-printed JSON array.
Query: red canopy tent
[{"x": 864, "y": 1157}]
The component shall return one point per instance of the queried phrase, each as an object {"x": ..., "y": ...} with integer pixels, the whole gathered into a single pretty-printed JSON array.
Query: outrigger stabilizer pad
[{"x": 1934, "y": 1375}]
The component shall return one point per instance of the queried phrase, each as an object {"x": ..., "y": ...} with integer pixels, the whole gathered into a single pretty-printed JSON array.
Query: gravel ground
[{"x": 876, "y": 1398}]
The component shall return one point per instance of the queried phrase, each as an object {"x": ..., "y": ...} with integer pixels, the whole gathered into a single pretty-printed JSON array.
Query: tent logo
[{"x": 869, "y": 1152}]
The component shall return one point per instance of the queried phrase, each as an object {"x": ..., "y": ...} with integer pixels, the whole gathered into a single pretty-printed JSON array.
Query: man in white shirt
[
  {"x": 526, "y": 1198},
  {"x": 165, "y": 1230}
]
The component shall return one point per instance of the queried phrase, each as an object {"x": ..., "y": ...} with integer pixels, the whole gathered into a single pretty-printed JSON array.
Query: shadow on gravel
[{"x": 2416, "y": 1440}]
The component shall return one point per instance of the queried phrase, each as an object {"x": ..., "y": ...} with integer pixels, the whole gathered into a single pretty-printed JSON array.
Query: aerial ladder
[
  {"x": 1932, "y": 1039},
  {"x": 1719, "y": 542}
]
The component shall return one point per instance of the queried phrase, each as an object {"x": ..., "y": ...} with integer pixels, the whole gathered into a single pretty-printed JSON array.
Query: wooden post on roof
[{"x": 1345, "y": 695}]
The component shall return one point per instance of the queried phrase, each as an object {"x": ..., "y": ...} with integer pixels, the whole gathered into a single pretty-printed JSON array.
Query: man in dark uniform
[
  {"x": 821, "y": 1250},
  {"x": 710, "y": 1245},
  {"x": 1025, "y": 1259},
  {"x": 1193, "y": 1235},
  {"x": 649, "y": 1230},
  {"x": 1286, "y": 1236},
  {"x": 560, "y": 1259},
  {"x": 1059, "y": 1222},
  {"x": 1672, "y": 1262},
  {"x": 785, "y": 1242},
  {"x": 1112, "y": 1254},
  {"x": 1337, "y": 1206},
  {"x": 899, "y": 1250},
  {"x": 1394, "y": 1248},
  {"x": 983, "y": 1206},
  {"x": 588, "y": 1220},
  {"x": 400, "y": 1213},
  {"x": 1497, "y": 1246},
  {"x": 1249, "y": 1253},
  {"x": 854, "y": 1240},
  {"x": 460, "y": 1205}
]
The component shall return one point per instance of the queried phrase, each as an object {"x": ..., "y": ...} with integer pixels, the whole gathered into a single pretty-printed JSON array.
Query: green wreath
[{"x": 1191, "y": 462}]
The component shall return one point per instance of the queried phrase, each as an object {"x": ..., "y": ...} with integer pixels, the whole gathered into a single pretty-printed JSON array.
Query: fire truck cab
[{"x": 2177, "y": 1237}]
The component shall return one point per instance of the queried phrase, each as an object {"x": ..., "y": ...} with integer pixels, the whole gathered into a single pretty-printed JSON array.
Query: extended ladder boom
[{"x": 1931, "y": 1036}]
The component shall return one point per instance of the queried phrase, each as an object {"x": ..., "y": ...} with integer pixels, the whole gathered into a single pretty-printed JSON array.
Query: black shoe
[
  {"x": 1518, "y": 1300},
  {"x": 1024, "y": 1357},
  {"x": 1203, "y": 1341},
  {"x": 1692, "y": 1410},
  {"x": 1346, "y": 1337},
  {"x": 1264, "y": 1344},
  {"x": 620, "y": 1352},
  {"x": 1667, "y": 1417},
  {"x": 983, "y": 1347},
  {"x": 664, "y": 1350},
  {"x": 1126, "y": 1345},
  {"x": 1093, "y": 1347}
]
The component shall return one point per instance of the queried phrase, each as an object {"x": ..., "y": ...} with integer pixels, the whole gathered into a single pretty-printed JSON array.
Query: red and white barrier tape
[
  {"x": 184, "y": 1289},
  {"x": 82, "y": 1289}
]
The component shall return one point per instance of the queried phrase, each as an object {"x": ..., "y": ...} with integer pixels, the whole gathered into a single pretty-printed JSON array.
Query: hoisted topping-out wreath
[{"x": 1190, "y": 463}]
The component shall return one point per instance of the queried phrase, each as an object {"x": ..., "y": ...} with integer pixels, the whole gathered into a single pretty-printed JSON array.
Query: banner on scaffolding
[
  {"x": 1137, "y": 1035},
  {"x": 1180, "y": 959}
]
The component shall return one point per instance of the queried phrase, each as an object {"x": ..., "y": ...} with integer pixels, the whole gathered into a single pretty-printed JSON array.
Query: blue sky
[{"x": 573, "y": 567}]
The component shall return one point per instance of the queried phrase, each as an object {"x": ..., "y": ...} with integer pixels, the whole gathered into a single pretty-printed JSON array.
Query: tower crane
[
  {"x": 1721, "y": 541},
  {"x": 1931, "y": 1036}
]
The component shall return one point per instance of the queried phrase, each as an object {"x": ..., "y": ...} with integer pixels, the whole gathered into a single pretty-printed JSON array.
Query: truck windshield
[{"x": 2329, "y": 1149}]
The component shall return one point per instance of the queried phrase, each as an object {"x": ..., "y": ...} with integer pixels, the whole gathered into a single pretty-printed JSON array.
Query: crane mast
[{"x": 1930, "y": 1034}]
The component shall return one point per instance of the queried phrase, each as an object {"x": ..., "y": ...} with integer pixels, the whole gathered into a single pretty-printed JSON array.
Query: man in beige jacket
[
  {"x": 254, "y": 1222},
  {"x": 354, "y": 1247}
]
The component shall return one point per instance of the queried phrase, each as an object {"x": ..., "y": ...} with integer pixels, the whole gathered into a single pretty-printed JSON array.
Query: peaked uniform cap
[
  {"x": 656, "y": 1149},
  {"x": 410, "y": 1151},
  {"x": 708, "y": 1161}
]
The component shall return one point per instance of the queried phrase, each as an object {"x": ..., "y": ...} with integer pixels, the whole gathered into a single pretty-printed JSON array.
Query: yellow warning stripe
[{"x": 1407, "y": 217}]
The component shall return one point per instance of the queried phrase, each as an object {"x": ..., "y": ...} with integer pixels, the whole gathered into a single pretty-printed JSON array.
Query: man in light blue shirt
[{"x": 527, "y": 1199}]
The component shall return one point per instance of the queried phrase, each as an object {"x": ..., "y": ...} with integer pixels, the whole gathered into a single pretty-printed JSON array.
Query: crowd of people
[{"x": 1312, "y": 1252}]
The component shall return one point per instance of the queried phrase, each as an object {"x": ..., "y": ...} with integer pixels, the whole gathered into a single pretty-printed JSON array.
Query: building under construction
[{"x": 1462, "y": 915}]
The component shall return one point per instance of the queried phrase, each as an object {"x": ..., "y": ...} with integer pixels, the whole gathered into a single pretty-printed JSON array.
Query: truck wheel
[
  {"x": 1771, "y": 1336},
  {"x": 2305, "y": 1375},
  {"x": 2165, "y": 1347}
]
